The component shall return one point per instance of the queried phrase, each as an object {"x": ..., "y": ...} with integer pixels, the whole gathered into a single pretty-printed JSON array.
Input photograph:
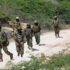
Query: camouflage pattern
[
  {"x": 19, "y": 40},
  {"x": 19, "y": 37},
  {"x": 3, "y": 45},
  {"x": 36, "y": 30},
  {"x": 56, "y": 26},
  {"x": 28, "y": 34}
]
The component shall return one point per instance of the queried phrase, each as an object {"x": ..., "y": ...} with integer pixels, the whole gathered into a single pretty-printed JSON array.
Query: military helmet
[
  {"x": 35, "y": 22},
  {"x": 28, "y": 26},
  {"x": 17, "y": 17},
  {"x": 55, "y": 17}
]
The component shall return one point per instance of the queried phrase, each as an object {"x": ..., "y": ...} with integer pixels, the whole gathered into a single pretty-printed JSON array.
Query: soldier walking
[
  {"x": 56, "y": 26},
  {"x": 3, "y": 44},
  {"x": 19, "y": 38},
  {"x": 36, "y": 30},
  {"x": 29, "y": 34}
]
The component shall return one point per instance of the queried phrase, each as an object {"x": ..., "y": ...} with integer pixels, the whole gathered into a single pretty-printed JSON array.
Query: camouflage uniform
[
  {"x": 36, "y": 30},
  {"x": 28, "y": 33},
  {"x": 3, "y": 45},
  {"x": 19, "y": 38},
  {"x": 56, "y": 26}
]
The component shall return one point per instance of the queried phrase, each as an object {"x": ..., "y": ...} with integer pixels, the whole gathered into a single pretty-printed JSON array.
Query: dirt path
[{"x": 49, "y": 46}]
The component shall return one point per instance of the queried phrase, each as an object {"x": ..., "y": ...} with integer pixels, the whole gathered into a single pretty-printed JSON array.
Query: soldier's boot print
[{"x": 28, "y": 43}]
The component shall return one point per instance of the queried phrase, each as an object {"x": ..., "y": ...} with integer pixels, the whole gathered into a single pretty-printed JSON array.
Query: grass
[{"x": 59, "y": 61}]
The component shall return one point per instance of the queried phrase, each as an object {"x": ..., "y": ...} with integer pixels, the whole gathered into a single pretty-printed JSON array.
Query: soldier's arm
[
  {"x": 59, "y": 24},
  {"x": 40, "y": 28},
  {"x": 52, "y": 23},
  {"x": 5, "y": 35},
  {"x": 24, "y": 32},
  {"x": 32, "y": 32},
  {"x": 24, "y": 35}
]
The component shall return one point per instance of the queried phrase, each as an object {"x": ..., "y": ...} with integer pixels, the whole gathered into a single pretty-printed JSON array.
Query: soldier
[
  {"x": 56, "y": 26},
  {"x": 3, "y": 44},
  {"x": 28, "y": 33},
  {"x": 19, "y": 38},
  {"x": 36, "y": 30}
]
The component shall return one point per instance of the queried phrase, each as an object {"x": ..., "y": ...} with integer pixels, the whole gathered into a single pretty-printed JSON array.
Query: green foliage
[
  {"x": 56, "y": 62},
  {"x": 30, "y": 10}
]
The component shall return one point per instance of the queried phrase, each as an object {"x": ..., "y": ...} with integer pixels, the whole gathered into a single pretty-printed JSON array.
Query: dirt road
[{"x": 49, "y": 46}]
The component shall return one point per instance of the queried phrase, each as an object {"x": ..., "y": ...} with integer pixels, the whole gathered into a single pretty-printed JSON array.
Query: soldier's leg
[
  {"x": 27, "y": 39},
  {"x": 55, "y": 30},
  {"x": 37, "y": 37},
  {"x": 30, "y": 43},
  {"x": 58, "y": 33},
  {"x": 1, "y": 56},
  {"x": 7, "y": 52},
  {"x": 18, "y": 49},
  {"x": 22, "y": 49},
  {"x": 55, "y": 34}
]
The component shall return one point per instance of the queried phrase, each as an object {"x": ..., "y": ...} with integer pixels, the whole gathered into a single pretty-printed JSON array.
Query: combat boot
[
  {"x": 1, "y": 59},
  {"x": 11, "y": 56},
  {"x": 21, "y": 55},
  {"x": 18, "y": 54}
]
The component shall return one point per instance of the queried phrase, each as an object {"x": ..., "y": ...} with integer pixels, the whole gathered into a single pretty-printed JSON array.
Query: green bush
[
  {"x": 30, "y": 10},
  {"x": 57, "y": 62}
]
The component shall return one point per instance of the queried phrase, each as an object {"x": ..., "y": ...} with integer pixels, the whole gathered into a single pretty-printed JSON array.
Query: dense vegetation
[
  {"x": 59, "y": 61},
  {"x": 30, "y": 10}
]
